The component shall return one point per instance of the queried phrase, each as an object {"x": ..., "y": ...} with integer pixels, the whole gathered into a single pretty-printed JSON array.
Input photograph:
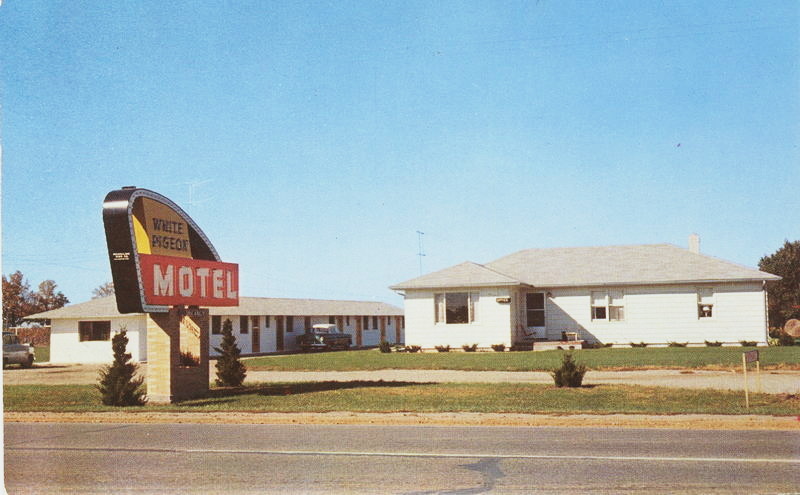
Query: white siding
[
  {"x": 492, "y": 326},
  {"x": 66, "y": 347},
  {"x": 663, "y": 314}
]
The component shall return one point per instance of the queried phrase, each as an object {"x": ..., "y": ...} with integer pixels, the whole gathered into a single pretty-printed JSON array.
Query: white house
[
  {"x": 81, "y": 333},
  {"x": 617, "y": 294}
]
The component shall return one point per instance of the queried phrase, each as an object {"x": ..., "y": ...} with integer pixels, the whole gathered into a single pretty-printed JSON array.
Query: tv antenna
[
  {"x": 420, "y": 253},
  {"x": 192, "y": 187}
]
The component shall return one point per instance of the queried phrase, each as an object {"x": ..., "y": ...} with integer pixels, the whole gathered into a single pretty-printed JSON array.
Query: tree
[
  {"x": 17, "y": 299},
  {"x": 107, "y": 289},
  {"x": 118, "y": 385},
  {"x": 230, "y": 371},
  {"x": 784, "y": 295}
]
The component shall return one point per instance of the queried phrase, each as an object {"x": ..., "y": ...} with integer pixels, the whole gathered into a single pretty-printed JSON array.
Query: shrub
[
  {"x": 470, "y": 348},
  {"x": 569, "y": 374},
  {"x": 713, "y": 344},
  {"x": 748, "y": 343},
  {"x": 385, "y": 347},
  {"x": 609, "y": 344},
  {"x": 443, "y": 348},
  {"x": 677, "y": 344},
  {"x": 188, "y": 359},
  {"x": 785, "y": 339},
  {"x": 499, "y": 347},
  {"x": 413, "y": 348},
  {"x": 230, "y": 371},
  {"x": 117, "y": 384},
  {"x": 640, "y": 344}
]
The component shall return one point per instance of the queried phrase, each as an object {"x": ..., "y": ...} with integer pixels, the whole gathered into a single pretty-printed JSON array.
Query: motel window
[
  {"x": 456, "y": 307},
  {"x": 705, "y": 302},
  {"x": 216, "y": 325},
  {"x": 365, "y": 320},
  {"x": 347, "y": 320},
  {"x": 290, "y": 323},
  {"x": 332, "y": 320},
  {"x": 307, "y": 322},
  {"x": 375, "y": 322},
  {"x": 388, "y": 321},
  {"x": 243, "y": 320},
  {"x": 599, "y": 303},
  {"x": 608, "y": 305},
  {"x": 266, "y": 321},
  {"x": 535, "y": 309},
  {"x": 94, "y": 330}
]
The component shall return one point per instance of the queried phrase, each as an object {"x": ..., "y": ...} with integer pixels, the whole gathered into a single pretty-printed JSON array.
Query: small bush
[
  {"x": 640, "y": 344},
  {"x": 608, "y": 344},
  {"x": 413, "y": 348},
  {"x": 748, "y": 343},
  {"x": 385, "y": 347},
  {"x": 117, "y": 384},
  {"x": 443, "y": 348},
  {"x": 713, "y": 344},
  {"x": 785, "y": 339},
  {"x": 498, "y": 347},
  {"x": 470, "y": 348},
  {"x": 569, "y": 374},
  {"x": 189, "y": 360},
  {"x": 230, "y": 370},
  {"x": 677, "y": 344}
]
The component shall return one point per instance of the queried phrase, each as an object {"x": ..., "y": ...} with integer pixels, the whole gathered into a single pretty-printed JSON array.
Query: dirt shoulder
[{"x": 688, "y": 421}]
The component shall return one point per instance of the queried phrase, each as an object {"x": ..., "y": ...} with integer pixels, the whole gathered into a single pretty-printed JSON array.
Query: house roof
[
  {"x": 467, "y": 274},
  {"x": 599, "y": 266},
  {"x": 106, "y": 307}
]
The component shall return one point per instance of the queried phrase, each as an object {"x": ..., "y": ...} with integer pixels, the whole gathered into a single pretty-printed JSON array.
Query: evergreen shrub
[
  {"x": 230, "y": 370},
  {"x": 118, "y": 385}
]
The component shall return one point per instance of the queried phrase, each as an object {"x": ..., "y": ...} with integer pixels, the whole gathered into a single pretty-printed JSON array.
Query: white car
[{"x": 16, "y": 353}]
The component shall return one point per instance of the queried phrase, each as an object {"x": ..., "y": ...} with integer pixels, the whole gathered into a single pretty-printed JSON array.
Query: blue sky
[{"x": 312, "y": 140}]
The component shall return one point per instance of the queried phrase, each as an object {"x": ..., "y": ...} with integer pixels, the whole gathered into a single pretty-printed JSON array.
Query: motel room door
[
  {"x": 255, "y": 333},
  {"x": 279, "y": 333},
  {"x": 535, "y": 315}
]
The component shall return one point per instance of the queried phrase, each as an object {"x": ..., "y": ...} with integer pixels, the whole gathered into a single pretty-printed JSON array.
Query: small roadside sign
[{"x": 747, "y": 358}]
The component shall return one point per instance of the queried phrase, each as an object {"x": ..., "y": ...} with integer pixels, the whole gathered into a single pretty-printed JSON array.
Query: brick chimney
[{"x": 694, "y": 243}]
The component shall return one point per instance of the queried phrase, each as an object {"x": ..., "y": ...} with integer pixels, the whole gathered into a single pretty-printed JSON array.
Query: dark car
[
  {"x": 15, "y": 352},
  {"x": 324, "y": 337}
]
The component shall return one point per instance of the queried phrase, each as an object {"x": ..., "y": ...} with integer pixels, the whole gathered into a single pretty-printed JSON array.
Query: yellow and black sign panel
[{"x": 160, "y": 230}]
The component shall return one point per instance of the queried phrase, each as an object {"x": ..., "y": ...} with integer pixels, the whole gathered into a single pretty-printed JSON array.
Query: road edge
[{"x": 684, "y": 421}]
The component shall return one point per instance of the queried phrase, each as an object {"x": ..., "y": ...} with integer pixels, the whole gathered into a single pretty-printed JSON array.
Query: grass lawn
[
  {"x": 380, "y": 396},
  {"x": 41, "y": 354},
  {"x": 607, "y": 358}
]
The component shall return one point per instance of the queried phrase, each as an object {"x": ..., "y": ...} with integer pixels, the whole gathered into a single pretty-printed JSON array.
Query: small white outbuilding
[{"x": 655, "y": 294}]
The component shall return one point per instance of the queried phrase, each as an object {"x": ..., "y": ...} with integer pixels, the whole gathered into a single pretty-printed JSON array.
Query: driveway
[{"x": 772, "y": 382}]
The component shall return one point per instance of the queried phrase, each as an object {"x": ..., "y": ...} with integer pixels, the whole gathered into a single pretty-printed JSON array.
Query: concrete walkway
[{"x": 772, "y": 382}]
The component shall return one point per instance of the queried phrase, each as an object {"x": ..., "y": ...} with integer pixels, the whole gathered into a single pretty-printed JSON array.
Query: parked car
[
  {"x": 324, "y": 337},
  {"x": 16, "y": 353}
]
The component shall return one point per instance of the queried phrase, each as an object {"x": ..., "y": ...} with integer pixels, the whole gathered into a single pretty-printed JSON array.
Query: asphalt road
[{"x": 195, "y": 458}]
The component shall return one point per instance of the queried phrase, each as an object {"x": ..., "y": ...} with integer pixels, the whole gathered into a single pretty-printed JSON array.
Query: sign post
[
  {"x": 750, "y": 357},
  {"x": 163, "y": 265}
]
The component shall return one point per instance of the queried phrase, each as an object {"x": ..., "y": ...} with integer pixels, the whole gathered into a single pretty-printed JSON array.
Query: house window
[
  {"x": 608, "y": 305},
  {"x": 534, "y": 308},
  {"x": 599, "y": 303},
  {"x": 456, "y": 307},
  {"x": 216, "y": 325},
  {"x": 290, "y": 323},
  {"x": 243, "y": 320},
  {"x": 94, "y": 330},
  {"x": 705, "y": 303},
  {"x": 616, "y": 305}
]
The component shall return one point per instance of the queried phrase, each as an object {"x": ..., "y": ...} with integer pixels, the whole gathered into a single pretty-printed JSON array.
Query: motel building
[{"x": 81, "y": 333}]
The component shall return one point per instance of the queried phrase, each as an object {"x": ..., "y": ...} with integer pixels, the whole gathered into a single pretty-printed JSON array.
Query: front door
[
  {"x": 535, "y": 315},
  {"x": 279, "y": 333},
  {"x": 256, "y": 335}
]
